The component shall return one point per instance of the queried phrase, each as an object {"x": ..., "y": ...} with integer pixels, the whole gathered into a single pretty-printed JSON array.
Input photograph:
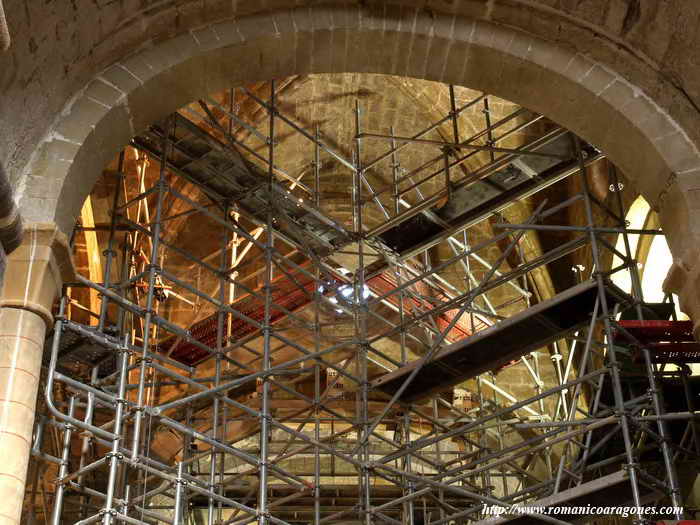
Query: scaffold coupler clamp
[{"x": 628, "y": 467}]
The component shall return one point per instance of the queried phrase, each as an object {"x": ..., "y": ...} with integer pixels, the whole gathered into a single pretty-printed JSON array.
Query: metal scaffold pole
[
  {"x": 621, "y": 411},
  {"x": 267, "y": 326},
  {"x": 276, "y": 350}
]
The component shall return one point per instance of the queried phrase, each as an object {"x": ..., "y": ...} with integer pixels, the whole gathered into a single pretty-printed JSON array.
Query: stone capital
[
  {"x": 37, "y": 269},
  {"x": 683, "y": 279}
]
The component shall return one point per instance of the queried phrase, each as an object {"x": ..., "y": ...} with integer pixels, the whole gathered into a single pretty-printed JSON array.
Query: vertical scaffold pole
[
  {"x": 317, "y": 343},
  {"x": 63, "y": 469},
  {"x": 405, "y": 422},
  {"x": 179, "y": 486},
  {"x": 109, "y": 253},
  {"x": 115, "y": 454},
  {"x": 317, "y": 169},
  {"x": 220, "y": 334},
  {"x": 621, "y": 411},
  {"x": 359, "y": 310},
  {"x": 153, "y": 269},
  {"x": 654, "y": 392},
  {"x": 263, "y": 512}
]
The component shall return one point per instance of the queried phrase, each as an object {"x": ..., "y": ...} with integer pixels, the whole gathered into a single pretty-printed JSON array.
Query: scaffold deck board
[
  {"x": 672, "y": 352},
  {"x": 667, "y": 341},
  {"x": 652, "y": 331},
  {"x": 502, "y": 343},
  {"x": 473, "y": 204}
]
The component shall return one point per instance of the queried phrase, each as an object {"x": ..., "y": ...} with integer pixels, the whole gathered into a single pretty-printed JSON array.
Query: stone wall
[{"x": 59, "y": 46}]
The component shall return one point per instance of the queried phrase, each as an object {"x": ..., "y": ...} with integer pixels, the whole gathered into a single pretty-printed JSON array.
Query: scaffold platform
[
  {"x": 667, "y": 341},
  {"x": 502, "y": 343}
]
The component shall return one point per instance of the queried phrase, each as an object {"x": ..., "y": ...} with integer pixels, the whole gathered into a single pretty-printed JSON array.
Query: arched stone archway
[
  {"x": 585, "y": 96},
  {"x": 553, "y": 60},
  {"x": 588, "y": 97}
]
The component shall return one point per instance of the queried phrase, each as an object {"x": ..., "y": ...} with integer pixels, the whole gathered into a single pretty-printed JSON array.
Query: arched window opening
[{"x": 651, "y": 252}]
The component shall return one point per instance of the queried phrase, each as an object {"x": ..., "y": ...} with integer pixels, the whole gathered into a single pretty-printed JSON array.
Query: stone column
[
  {"x": 33, "y": 278},
  {"x": 679, "y": 211},
  {"x": 683, "y": 279}
]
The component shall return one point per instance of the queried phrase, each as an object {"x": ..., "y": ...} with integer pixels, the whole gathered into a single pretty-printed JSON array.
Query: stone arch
[{"x": 586, "y": 96}]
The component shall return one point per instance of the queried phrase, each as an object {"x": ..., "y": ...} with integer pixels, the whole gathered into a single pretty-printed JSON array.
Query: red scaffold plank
[
  {"x": 286, "y": 293},
  {"x": 657, "y": 331},
  {"x": 385, "y": 282}
]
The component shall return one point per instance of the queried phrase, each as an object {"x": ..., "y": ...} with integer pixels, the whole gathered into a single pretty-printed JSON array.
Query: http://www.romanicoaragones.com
[{"x": 494, "y": 511}]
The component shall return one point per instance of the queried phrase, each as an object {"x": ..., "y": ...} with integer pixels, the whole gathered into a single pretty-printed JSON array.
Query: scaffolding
[{"x": 285, "y": 406}]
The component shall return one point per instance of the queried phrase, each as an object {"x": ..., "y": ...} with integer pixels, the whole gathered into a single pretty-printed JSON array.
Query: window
[{"x": 652, "y": 253}]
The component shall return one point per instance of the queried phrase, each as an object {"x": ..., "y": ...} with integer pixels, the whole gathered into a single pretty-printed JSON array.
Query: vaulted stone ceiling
[{"x": 328, "y": 102}]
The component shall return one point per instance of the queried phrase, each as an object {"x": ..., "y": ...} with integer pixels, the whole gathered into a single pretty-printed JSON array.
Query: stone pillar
[
  {"x": 683, "y": 279},
  {"x": 33, "y": 278},
  {"x": 679, "y": 211}
]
